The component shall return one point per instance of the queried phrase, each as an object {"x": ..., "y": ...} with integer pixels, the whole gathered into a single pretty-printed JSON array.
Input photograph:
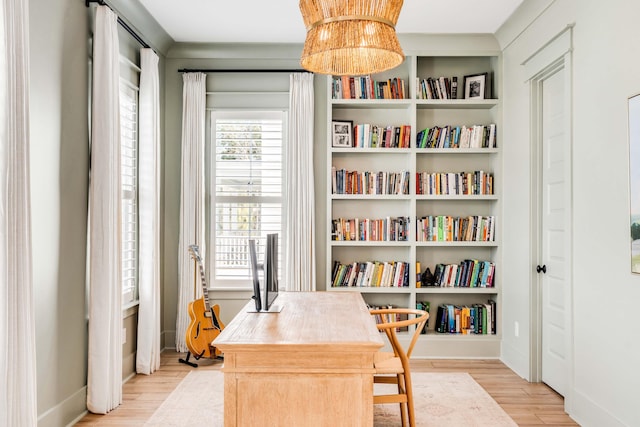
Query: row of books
[
  {"x": 368, "y": 182},
  {"x": 370, "y": 274},
  {"x": 371, "y": 136},
  {"x": 445, "y": 228},
  {"x": 469, "y": 273},
  {"x": 454, "y": 183},
  {"x": 449, "y": 136},
  {"x": 437, "y": 88},
  {"x": 477, "y": 319},
  {"x": 397, "y": 317},
  {"x": 390, "y": 229},
  {"x": 472, "y": 319},
  {"x": 365, "y": 87}
]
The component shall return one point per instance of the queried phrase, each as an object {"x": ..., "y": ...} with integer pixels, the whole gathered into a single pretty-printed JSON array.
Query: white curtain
[
  {"x": 300, "y": 271},
  {"x": 148, "y": 350},
  {"x": 17, "y": 322},
  {"x": 104, "y": 382},
  {"x": 192, "y": 220}
]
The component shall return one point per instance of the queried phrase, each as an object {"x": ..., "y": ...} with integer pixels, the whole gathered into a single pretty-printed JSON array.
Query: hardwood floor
[{"x": 529, "y": 404}]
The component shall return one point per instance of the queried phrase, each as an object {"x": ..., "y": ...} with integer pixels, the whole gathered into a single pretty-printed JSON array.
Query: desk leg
[
  {"x": 230, "y": 400},
  {"x": 230, "y": 391}
]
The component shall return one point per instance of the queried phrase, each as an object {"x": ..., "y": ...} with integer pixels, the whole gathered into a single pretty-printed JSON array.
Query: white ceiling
[{"x": 279, "y": 21}]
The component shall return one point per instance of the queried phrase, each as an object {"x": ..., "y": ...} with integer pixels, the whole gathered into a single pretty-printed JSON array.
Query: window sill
[
  {"x": 130, "y": 308},
  {"x": 230, "y": 293}
]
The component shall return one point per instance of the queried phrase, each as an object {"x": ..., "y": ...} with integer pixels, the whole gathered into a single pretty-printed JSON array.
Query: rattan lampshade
[{"x": 351, "y": 37}]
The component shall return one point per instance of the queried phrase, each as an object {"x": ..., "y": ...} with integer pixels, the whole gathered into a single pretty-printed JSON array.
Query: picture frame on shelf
[
  {"x": 475, "y": 86},
  {"x": 342, "y": 133}
]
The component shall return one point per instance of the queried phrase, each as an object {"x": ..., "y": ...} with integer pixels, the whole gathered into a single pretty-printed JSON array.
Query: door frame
[{"x": 548, "y": 60}]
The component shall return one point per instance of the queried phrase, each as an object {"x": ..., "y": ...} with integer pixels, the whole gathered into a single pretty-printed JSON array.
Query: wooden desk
[{"x": 309, "y": 365}]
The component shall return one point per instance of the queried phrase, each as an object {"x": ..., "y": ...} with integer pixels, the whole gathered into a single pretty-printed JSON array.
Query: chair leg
[
  {"x": 409, "y": 391},
  {"x": 403, "y": 406}
]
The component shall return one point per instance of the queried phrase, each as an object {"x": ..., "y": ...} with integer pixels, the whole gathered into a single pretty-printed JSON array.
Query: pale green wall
[
  {"x": 245, "y": 56},
  {"x": 606, "y": 71},
  {"x": 59, "y": 92},
  {"x": 516, "y": 192},
  {"x": 59, "y": 176}
]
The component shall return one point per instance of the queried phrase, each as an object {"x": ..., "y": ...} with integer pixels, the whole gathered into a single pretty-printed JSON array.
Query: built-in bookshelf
[{"x": 419, "y": 187}]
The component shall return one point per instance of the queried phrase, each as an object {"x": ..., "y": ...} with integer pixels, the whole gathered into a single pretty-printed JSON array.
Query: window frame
[
  {"x": 244, "y": 283},
  {"x": 129, "y": 80}
]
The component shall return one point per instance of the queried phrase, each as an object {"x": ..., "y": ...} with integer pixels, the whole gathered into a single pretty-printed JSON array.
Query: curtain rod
[
  {"x": 121, "y": 22},
  {"x": 243, "y": 70}
]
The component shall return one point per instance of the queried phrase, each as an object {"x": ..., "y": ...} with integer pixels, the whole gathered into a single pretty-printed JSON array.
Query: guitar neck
[
  {"x": 205, "y": 288},
  {"x": 195, "y": 253}
]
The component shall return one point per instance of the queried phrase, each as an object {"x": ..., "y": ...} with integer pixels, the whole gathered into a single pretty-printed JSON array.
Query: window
[
  {"x": 247, "y": 190},
  {"x": 129, "y": 185}
]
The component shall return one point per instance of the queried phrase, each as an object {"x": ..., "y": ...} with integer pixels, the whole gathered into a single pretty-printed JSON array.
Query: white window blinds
[
  {"x": 129, "y": 182},
  {"x": 247, "y": 182}
]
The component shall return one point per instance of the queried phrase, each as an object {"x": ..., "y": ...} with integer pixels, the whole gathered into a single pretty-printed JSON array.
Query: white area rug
[{"x": 441, "y": 400}]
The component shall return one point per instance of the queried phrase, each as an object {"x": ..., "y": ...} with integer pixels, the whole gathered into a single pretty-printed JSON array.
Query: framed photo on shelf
[
  {"x": 342, "y": 133},
  {"x": 475, "y": 86}
]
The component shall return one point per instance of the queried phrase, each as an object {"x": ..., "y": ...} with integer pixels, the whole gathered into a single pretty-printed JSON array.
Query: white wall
[{"x": 606, "y": 71}]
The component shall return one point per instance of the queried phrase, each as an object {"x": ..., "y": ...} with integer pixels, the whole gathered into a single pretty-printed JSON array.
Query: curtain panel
[
  {"x": 17, "y": 320},
  {"x": 104, "y": 382},
  {"x": 148, "y": 350},
  {"x": 300, "y": 271},
  {"x": 192, "y": 193}
]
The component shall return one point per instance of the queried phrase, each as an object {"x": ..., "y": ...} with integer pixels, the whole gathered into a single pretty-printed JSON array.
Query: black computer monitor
[
  {"x": 255, "y": 268},
  {"x": 265, "y": 291},
  {"x": 271, "y": 271}
]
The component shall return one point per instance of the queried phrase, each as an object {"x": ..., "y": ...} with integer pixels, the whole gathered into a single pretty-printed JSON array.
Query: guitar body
[
  {"x": 202, "y": 329},
  {"x": 205, "y": 324}
]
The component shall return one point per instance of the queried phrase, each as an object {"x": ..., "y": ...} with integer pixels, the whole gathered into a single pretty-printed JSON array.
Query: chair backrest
[{"x": 388, "y": 321}]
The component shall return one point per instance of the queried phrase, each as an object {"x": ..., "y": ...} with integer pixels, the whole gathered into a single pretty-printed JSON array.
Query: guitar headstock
[{"x": 195, "y": 252}]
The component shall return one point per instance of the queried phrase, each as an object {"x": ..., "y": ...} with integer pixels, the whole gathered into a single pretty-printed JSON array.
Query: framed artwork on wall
[
  {"x": 634, "y": 181},
  {"x": 475, "y": 86},
  {"x": 342, "y": 133}
]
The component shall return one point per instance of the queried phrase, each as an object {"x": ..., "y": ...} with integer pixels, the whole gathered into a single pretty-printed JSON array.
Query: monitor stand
[{"x": 275, "y": 308}]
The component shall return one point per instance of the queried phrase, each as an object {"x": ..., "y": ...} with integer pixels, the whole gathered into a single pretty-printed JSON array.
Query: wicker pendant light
[{"x": 351, "y": 37}]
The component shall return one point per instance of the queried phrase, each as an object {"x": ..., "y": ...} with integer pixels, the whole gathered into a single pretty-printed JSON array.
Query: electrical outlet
[
  {"x": 516, "y": 329},
  {"x": 124, "y": 335}
]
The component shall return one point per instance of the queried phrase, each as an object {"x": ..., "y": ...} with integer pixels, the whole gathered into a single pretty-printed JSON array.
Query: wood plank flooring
[{"x": 529, "y": 404}]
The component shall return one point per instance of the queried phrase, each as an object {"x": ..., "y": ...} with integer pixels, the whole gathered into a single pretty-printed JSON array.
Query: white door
[{"x": 555, "y": 268}]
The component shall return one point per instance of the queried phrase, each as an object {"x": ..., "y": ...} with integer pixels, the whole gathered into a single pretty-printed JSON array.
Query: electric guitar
[{"x": 205, "y": 323}]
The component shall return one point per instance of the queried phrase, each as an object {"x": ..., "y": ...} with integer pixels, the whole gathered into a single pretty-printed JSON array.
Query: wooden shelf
[
  {"x": 372, "y": 103},
  {"x": 375, "y": 243},
  {"x": 463, "y": 104},
  {"x": 455, "y": 290},
  {"x": 373, "y": 289}
]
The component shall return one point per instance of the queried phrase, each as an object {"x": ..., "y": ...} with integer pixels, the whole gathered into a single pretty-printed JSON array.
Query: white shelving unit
[{"x": 420, "y": 114}]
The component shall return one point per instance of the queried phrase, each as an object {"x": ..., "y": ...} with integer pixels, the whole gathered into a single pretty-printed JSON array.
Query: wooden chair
[{"x": 393, "y": 368}]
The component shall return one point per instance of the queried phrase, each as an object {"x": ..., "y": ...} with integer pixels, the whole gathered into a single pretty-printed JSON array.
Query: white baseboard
[
  {"x": 57, "y": 415},
  {"x": 168, "y": 339},
  {"x": 516, "y": 361},
  {"x": 78, "y": 418},
  {"x": 588, "y": 413},
  {"x": 74, "y": 404}
]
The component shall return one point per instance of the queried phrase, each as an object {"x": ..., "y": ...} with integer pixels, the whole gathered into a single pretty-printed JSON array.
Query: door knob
[{"x": 543, "y": 269}]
